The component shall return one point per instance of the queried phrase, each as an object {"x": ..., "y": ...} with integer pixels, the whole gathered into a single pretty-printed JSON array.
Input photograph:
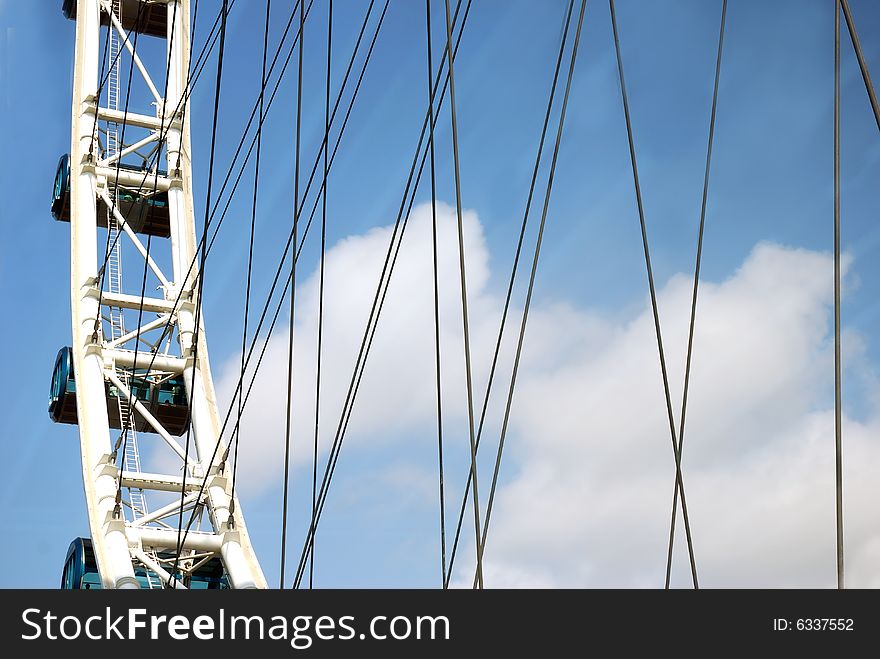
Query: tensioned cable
[
  {"x": 436, "y": 297},
  {"x": 320, "y": 151},
  {"x": 857, "y": 46},
  {"x": 268, "y": 106},
  {"x": 525, "y": 316},
  {"x": 510, "y": 285},
  {"x": 650, "y": 273},
  {"x": 196, "y": 334},
  {"x": 236, "y": 438},
  {"x": 464, "y": 305},
  {"x": 377, "y": 305},
  {"x": 345, "y": 119},
  {"x": 330, "y": 165},
  {"x": 289, "y": 409},
  {"x": 383, "y": 286},
  {"x": 288, "y": 282},
  {"x": 321, "y": 267},
  {"x": 690, "y": 347},
  {"x": 278, "y": 271},
  {"x": 838, "y": 412},
  {"x": 314, "y": 169},
  {"x": 253, "y": 344},
  {"x": 253, "y": 113},
  {"x": 196, "y": 15},
  {"x": 369, "y": 332},
  {"x": 318, "y": 156}
]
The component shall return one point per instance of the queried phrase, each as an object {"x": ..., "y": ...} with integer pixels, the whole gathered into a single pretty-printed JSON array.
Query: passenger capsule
[
  {"x": 153, "y": 16},
  {"x": 81, "y": 570},
  {"x": 144, "y": 211},
  {"x": 163, "y": 395}
]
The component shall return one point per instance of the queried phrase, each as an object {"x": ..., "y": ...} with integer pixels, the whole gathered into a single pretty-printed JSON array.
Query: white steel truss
[
  {"x": 116, "y": 360},
  {"x": 137, "y": 502}
]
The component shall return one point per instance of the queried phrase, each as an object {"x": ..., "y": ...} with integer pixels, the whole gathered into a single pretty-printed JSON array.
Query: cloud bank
[{"x": 588, "y": 470}]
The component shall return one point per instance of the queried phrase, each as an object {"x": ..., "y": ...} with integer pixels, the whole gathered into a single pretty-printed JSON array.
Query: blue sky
[{"x": 771, "y": 185}]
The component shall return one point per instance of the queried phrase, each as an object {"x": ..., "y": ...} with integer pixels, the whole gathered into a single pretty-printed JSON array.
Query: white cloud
[
  {"x": 395, "y": 395},
  {"x": 588, "y": 471}
]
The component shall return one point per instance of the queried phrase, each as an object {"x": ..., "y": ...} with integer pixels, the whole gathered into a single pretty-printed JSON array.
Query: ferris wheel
[
  {"x": 138, "y": 363},
  {"x": 137, "y": 369}
]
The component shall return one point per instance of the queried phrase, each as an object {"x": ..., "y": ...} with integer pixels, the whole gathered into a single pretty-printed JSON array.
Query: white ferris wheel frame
[{"x": 119, "y": 543}]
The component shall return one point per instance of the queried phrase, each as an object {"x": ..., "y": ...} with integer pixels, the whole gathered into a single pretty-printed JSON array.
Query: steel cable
[
  {"x": 525, "y": 317},
  {"x": 436, "y": 296},
  {"x": 513, "y": 271},
  {"x": 653, "y": 292},
  {"x": 692, "y": 325},
  {"x": 378, "y": 302}
]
